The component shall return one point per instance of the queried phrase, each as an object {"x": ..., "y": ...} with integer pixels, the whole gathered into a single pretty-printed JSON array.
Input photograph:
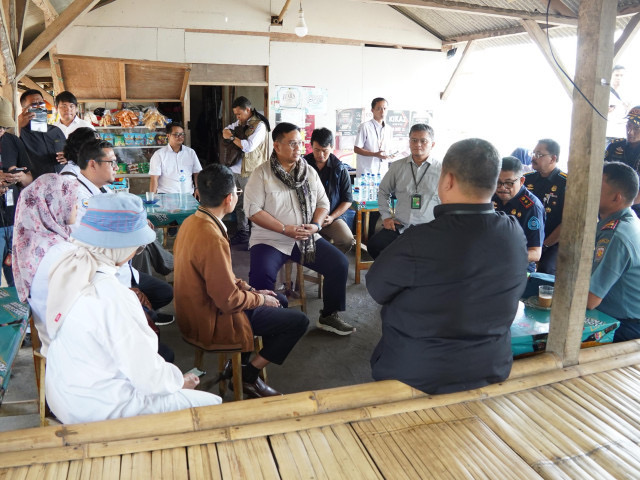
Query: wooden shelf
[{"x": 139, "y": 146}]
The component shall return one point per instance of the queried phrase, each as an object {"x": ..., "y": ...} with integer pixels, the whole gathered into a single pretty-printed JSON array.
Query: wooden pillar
[{"x": 596, "y": 24}]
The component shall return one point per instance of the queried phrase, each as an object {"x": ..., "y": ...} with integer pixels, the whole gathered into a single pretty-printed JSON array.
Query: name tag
[
  {"x": 8, "y": 198},
  {"x": 416, "y": 202}
]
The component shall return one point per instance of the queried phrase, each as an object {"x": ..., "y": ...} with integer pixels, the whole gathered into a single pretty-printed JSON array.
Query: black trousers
[
  {"x": 159, "y": 292},
  {"x": 548, "y": 259},
  {"x": 380, "y": 241},
  {"x": 280, "y": 329}
]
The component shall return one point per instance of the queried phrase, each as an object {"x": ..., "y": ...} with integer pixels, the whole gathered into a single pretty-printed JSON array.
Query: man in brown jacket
[{"x": 214, "y": 308}]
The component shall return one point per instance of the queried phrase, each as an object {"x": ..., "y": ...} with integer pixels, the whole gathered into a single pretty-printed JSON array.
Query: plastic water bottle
[
  {"x": 376, "y": 189},
  {"x": 363, "y": 188},
  {"x": 378, "y": 178},
  {"x": 183, "y": 182},
  {"x": 373, "y": 192},
  {"x": 356, "y": 194}
]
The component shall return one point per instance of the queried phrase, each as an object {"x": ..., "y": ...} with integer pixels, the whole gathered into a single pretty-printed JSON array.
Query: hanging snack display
[{"x": 153, "y": 119}]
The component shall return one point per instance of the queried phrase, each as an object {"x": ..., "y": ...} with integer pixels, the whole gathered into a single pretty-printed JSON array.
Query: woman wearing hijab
[
  {"x": 102, "y": 361},
  {"x": 44, "y": 213}
]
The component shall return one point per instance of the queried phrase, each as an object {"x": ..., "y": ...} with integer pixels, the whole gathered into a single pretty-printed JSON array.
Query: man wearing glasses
[
  {"x": 513, "y": 198},
  {"x": 548, "y": 183},
  {"x": 413, "y": 181},
  {"x": 287, "y": 203},
  {"x": 174, "y": 168},
  {"x": 627, "y": 150}
]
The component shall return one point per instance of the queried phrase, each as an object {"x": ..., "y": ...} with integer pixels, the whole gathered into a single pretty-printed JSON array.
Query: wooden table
[
  {"x": 14, "y": 317},
  {"x": 362, "y": 208}
]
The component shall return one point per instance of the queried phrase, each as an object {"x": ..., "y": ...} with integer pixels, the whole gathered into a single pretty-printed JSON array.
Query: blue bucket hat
[{"x": 114, "y": 221}]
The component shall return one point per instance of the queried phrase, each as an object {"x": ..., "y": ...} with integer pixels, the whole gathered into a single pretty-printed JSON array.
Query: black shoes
[
  {"x": 257, "y": 389},
  {"x": 241, "y": 237}
]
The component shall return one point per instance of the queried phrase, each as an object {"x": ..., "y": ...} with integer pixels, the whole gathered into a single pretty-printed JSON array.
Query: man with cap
[
  {"x": 213, "y": 306},
  {"x": 513, "y": 198},
  {"x": 615, "y": 275},
  {"x": 45, "y": 148},
  {"x": 102, "y": 323},
  {"x": 15, "y": 174},
  {"x": 548, "y": 183},
  {"x": 628, "y": 150}
]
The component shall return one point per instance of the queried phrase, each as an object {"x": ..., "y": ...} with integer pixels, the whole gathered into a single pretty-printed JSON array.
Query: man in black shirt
[
  {"x": 450, "y": 288},
  {"x": 14, "y": 174},
  {"x": 548, "y": 183},
  {"x": 335, "y": 177},
  {"x": 44, "y": 148}
]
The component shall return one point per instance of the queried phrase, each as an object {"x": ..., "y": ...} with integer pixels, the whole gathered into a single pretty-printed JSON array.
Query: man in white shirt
[
  {"x": 413, "y": 181},
  {"x": 373, "y": 141},
  {"x": 67, "y": 105},
  {"x": 174, "y": 168},
  {"x": 252, "y": 127}
]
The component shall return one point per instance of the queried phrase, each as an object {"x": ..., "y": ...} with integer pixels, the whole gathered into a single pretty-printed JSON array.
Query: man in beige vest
[{"x": 253, "y": 143}]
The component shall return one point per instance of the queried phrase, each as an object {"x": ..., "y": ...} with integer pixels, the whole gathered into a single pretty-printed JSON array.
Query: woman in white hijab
[{"x": 102, "y": 361}]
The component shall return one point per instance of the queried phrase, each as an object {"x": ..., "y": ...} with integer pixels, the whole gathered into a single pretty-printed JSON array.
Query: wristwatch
[
  {"x": 232, "y": 138},
  {"x": 318, "y": 225}
]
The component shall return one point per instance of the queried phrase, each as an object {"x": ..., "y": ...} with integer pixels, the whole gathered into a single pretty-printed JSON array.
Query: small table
[
  {"x": 14, "y": 317},
  {"x": 362, "y": 208},
  {"x": 171, "y": 207},
  {"x": 530, "y": 329}
]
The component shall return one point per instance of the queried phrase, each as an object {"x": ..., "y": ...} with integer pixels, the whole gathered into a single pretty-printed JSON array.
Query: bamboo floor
[{"x": 545, "y": 421}]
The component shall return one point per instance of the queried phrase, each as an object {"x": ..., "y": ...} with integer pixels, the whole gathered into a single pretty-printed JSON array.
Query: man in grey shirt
[{"x": 413, "y": 181}]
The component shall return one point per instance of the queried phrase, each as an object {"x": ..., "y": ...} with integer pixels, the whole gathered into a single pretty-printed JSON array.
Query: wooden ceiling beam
[
  {"x": 21, "y": 16},
  {"x": 456, "y": 73},
  {"x": 29, "y": 83},
  {"x": 50, "y": 13},
  {"x": 46, "y": 39},
  {"x": 558, "y": 6},
  {"x": 629, "y": 32},
  {"x": 417, "y": 20},
  {"x": 463, "y": 7},
  {"x": 8, "y": 67},
  {"x": 540, "y": 39}
]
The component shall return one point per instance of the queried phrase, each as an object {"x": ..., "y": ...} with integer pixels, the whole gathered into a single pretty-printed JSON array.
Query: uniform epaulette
[
  {"x": 610, "y": 225},
  {"x": 526, "y": 201},
  {"x": 530, "y": 173},
  {"x": 617, "y": 140},
  {"x": 563, "y": 175}
]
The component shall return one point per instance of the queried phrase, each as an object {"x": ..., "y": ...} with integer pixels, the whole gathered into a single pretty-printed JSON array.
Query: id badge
[
  {"x": 416, "y": 202},
  {"x": 8, "y": 197}
]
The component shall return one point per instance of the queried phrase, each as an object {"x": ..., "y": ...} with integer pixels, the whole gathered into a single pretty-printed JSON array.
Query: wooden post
[
  {"x": 596, "y": 23},
  {"x": 456, "y": 73}
]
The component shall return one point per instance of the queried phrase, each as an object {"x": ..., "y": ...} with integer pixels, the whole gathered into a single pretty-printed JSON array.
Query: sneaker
[
  {"x": 164, "y": 319},
  {"x": 240, "y": 238},
  {"x": 332, "y": 323}
]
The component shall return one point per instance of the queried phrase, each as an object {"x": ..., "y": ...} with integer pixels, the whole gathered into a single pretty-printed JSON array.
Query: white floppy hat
[
  {"x": 6, "y": 113},
  {"x": 114, "y": 221}
]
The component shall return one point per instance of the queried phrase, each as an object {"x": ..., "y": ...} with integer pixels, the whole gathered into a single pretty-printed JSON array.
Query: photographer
[
  {"x": 15, "y": 175},
  {"x": 44, "y": 146}
]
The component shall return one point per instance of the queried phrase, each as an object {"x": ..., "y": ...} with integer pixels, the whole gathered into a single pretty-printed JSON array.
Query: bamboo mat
[{"x": 581, "y": 422}]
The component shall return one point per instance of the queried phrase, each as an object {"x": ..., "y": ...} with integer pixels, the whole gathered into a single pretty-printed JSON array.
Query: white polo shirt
[
  {"x": 73, "y": 126},
  {"x": 373, "y": 137},
  {"x": 167, "y": 164}
]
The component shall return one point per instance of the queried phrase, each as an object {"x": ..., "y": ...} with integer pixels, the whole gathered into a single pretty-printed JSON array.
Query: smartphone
[
  {"x": 197, "y": 372},
  {"x": 18, "y": 170}
]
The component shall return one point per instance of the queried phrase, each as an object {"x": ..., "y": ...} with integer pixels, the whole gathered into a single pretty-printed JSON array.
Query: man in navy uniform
[
  {"x": 615, "y": 275},
  {"x": 450, "y": 287},
  {"x": 548, "y": 183},
  {"x": 513, "y": 198},
  {"x": 628, "y": 150}
]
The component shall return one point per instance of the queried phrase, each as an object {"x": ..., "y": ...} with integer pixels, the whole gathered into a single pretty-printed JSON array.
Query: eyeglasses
[
  {"x": 508, "y": 183},
  {"x": 238, "y": 191},
  {"x": 422, "y": 141},
  {"x": 539, "y": 155},
  {"x": 177, "y": 135},
  {"x": 114, "y": 163},
  {"x": 294, "y": 144}
]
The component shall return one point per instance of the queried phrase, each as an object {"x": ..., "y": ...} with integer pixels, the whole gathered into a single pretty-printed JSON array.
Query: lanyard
[
  {"x": 378, "y": 141},
  {"x": 414, "y": 174}
]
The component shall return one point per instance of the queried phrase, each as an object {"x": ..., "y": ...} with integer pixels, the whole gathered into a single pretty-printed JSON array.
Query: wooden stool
[
  {"x": 40, "y": 365},
  {"x": 295, "y": 301},
  {"x": 236, "y": 364}
]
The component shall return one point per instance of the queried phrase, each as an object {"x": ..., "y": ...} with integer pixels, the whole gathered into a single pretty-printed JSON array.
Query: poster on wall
[
  {"x": 348, "y": 121},
  {"x": 425, "y": 116},
  {"x": 398, "y": 120}
]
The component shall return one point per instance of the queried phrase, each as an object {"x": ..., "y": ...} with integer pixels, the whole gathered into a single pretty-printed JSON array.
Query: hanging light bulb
[{"x": 301, "y": 27}]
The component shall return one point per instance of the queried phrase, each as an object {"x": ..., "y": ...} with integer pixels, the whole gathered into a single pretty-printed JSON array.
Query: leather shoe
[
  {"x": 257, "y": 389},
  {"x": 227, "y": 371}
]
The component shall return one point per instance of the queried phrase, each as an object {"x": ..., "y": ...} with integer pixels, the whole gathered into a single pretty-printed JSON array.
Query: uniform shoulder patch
[
  {"x": 610, "y": 225},
  {"x": 599, "y": 253},
  {"x": 85, "y": 203},
  {"x": 526, "y": 201},
  {"x": 533, "y": 223},
  {"x": 563, "y": 175}
]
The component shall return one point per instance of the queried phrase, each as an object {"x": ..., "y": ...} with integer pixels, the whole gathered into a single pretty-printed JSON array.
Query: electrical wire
[{"x": 565, "y": 73}]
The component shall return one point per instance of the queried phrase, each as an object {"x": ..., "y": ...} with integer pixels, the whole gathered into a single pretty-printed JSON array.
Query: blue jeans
[
  {"x": 266, "y": 261},
  {"x": 627, "y": 331},
  {"x": 6, "y": 242}
]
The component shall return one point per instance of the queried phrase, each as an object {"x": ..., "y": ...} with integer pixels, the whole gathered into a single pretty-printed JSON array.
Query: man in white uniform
[
  {"x": 175, "y": 167},
  {"x": 102, "y": 323},
  {"x": 373, "y": 141},
  {"x": 67, "y": 105}
]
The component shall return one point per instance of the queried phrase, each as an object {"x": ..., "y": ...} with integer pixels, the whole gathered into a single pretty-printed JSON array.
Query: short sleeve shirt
[
  {"x": 168, "y": 165},
  {"x": 615, "y": 275}
]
